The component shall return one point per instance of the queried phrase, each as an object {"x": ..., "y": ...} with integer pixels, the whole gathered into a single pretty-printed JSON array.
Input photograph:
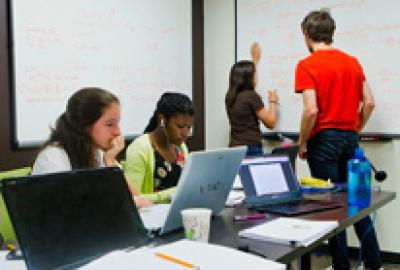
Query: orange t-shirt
[{"x": 337, "y": 78}]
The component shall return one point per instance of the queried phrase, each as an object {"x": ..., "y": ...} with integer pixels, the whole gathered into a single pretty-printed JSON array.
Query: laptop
[
  {"x": 291, "y": 151},
  {"x": 205, "y": 182},
  {"x": 270, "y": 185},
  {"x": 64, "y": 220}
]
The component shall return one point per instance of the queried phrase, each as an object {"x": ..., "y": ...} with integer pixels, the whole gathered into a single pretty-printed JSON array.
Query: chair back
[{"x": 6, "y": 228}]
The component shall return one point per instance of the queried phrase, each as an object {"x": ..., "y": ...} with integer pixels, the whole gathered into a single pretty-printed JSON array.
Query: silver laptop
[{"x": 206, "y": 181}]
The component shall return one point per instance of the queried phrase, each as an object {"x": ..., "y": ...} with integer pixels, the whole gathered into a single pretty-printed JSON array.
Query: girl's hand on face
[{"x": 117, "y": 145}]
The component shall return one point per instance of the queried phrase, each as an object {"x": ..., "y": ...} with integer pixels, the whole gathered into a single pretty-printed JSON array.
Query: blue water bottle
[{"x": 359, "y": 179}]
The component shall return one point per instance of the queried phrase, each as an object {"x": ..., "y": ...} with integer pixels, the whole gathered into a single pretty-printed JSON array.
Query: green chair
[
  {"x": 123, "y": 164},
  {"x": 6, "y": 227}
]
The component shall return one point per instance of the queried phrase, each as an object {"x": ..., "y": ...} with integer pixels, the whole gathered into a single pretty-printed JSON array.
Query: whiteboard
[
  {"x": 367, "y": 29},
  {"x": 136, "y": 49}
]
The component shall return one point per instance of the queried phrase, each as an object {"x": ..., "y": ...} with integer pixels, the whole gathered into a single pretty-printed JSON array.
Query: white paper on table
[
  {"x": 235, "y": 197},
  {"x": 154, "y": 217},
  {"x": 10, "y": 264},
  {"x": 202, "y": 255}
]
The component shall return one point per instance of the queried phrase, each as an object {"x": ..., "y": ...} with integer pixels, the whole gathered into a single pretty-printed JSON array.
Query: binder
[{"x": 290, "y": 231}]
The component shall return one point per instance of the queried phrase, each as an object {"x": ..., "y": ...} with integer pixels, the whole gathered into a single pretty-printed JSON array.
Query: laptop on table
[
  {"x": 270, "y": 185},
  {"x": 291, "y": 151},
  {"x": 205, "y": 182},
  {"x": 64, "y": 220}
]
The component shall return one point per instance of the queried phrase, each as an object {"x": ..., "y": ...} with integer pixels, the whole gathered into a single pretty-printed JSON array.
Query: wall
[
  {"x": 219, "y": 18},
  {"x": 219, "y": 46},
  {"x": 8, "y": 157}
]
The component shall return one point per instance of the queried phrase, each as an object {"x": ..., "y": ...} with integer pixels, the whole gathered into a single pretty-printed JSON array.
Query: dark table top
[{"x": 224, "y": 230}]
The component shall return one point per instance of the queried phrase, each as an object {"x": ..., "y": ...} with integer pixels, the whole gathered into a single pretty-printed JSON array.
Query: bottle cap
[{"x": 359, "y": 153}]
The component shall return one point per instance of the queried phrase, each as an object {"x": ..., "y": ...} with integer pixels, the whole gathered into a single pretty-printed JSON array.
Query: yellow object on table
[{"x": 315, "y": 182}]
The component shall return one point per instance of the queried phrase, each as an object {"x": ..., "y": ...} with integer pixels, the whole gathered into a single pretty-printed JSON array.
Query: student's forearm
[
  {"x": 307, "y": 124},
  {"x": 367, "y": 106},
  {"x": 365, "y": 113},
  {"x": 270, "y": 117},
  {"x": 163, "y": 196},
  {"x": 131, "y": 187},
  {"x": 309, "y": 115}
]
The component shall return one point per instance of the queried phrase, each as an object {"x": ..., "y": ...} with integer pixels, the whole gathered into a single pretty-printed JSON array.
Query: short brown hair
[{"x": 319, "y": 26}]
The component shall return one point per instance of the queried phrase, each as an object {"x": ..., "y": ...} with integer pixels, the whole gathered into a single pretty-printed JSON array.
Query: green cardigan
[{"x": 139, "y": 169}]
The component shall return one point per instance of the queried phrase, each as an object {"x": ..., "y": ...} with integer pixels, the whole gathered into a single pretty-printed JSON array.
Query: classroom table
[{"x": 224, "y": 229}]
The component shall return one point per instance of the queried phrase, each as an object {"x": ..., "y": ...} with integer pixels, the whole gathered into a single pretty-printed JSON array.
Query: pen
[
  {"x": 175, "y": 260},
  {"x": 249, "y": 217}
]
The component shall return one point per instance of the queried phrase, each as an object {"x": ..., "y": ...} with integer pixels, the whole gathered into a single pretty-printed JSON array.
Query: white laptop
[{"x": 206, "y": 181}]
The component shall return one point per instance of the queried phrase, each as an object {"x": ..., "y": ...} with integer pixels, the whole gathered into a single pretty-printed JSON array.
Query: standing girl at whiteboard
[
  {"x": 86, "y": 135},
  {"x": 155, "y": 159},
  {"x": 245, "y": 107}
]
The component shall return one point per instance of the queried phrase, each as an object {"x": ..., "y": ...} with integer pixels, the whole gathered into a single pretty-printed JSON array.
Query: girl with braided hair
[{"x": 155, "y": 159}]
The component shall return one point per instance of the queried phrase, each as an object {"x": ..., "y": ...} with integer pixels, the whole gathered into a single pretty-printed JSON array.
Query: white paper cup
[{"x": 196, "y": 222}]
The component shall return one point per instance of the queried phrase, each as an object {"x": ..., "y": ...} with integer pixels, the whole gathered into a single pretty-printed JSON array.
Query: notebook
[
  {"x": 270, "y": 185},
  {"x": 63, "y": 220},
  {"x": 290, "y": 231},
  {"x": 206, "y": 180},
  {"x": 184, "y": 255}
]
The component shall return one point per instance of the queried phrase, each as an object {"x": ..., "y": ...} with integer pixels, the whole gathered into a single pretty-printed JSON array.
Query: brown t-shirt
[{"x": 245, "y": 128}]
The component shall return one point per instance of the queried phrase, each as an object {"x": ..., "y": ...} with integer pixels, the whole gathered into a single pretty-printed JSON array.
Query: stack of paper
[
  {"x": 235, "y": 197},
  {"x": 153, "y": 217},
  {"x": 291, "y": 231},
  {"x": 10, "y": 264},
  {"x": 184, "y": 255}
]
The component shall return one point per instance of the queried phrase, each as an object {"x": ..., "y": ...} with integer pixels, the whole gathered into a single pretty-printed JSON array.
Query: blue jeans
[
  {"x": 254, "y": 150},
  {"x": 327, "y": 155}
]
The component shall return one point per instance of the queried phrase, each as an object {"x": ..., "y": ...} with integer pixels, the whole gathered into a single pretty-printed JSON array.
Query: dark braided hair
[
  {"x": 71, "y": 131},
  {"x": 169, "y": 105}
]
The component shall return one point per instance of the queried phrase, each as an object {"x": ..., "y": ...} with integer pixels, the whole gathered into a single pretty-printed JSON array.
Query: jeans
[
  {"x": 254, "y": 150},
  {"x": 327, "y": 155}
]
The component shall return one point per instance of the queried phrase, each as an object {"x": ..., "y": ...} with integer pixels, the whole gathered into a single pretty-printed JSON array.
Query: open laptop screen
[
  {"x": 268, "y": 174},
  {"x": 66, "y": 219}
]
